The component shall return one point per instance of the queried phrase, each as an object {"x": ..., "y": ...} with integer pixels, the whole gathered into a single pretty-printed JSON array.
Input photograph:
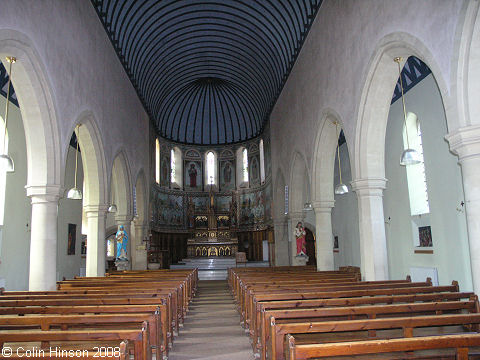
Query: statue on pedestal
[
  {"x": 121, "y": 258},
  {"x": 300, "y": 237}
]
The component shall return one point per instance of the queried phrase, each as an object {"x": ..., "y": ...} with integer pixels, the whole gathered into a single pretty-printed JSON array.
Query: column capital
[
  {"x": 465, "y": 142},
  {"x": 123, "y": 219},
  {"x": 296, "y": 215},
  {"x": 323, "y": 205},
  {"x": 44, "y": 193},
  {"x": 96, "y": 210},
  {"x": 369, "y": 186}
]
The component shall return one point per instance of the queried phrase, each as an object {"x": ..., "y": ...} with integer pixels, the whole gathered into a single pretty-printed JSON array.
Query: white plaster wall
[
  {"x": 345, "y": 216},
  {"x": 15, "y": 242},
  {"x": 444, "y": 182},
  {"x": 330, "y": 71},
  {"x": 84, "y": 73},
  {"x": 70, "y": 212}
]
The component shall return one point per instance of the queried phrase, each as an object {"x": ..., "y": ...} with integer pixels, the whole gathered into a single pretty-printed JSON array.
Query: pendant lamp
[
  {"x": 6, "y": 160},
  {"x": 75, "y": 193},
  {"x": 341, "y": 188},
  {"x": 308, "y": 206},
  {"x": 409, "y": 156}
]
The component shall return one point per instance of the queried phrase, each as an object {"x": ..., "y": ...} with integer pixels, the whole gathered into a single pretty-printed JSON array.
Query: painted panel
[
  {"x": 223, "y": 203},
  {"x": 252, "y": 208},
  {"x": 227, "y": 175},
  {"x": 254, "y": 169},
  {"x": 193, "y": 175}
]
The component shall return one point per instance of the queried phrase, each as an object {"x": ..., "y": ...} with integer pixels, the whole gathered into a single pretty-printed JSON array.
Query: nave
[{"x": 286, "y": 312}]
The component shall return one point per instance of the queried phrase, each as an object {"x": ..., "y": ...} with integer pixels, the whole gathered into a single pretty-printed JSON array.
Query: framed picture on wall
[
  {"x": 72, "y": 237},
  {"x": 425, "y": 236}
]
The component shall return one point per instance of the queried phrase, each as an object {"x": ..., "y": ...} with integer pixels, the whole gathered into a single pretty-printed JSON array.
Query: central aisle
[{"x": 212, "y": 327}]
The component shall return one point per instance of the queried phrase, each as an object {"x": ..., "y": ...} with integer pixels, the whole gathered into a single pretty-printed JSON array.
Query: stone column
[
  {"x": 465, "y": 142},
  {"x": 43, "y": 243},
  {"x": 373, "y": 242},
  {"x": 282, "y": 252},
  {"x": 96, "y": 244},
  {"x": 293, "y": 219},
  {"x": 139, "y": 251},
  {"x": 323, "y": 234}
]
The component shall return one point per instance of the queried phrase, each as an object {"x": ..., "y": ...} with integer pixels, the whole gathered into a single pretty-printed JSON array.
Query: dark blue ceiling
[{"x": 207, "y": 72}]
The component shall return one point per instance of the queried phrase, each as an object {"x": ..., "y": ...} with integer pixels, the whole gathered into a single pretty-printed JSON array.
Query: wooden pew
[
  {"x": 365, "y": 312},
  {"x": 355, "y": 307},
  {"x": 77, "y": 322},
  {"x": 406, "y": 324},
  {"x": 325, "y": 294},
  {"x": 461, "y": 344},
  {"x": 153, "y": 310},
  {"x": 120, "y": 353},
  {"x": 139, "y": 338}
]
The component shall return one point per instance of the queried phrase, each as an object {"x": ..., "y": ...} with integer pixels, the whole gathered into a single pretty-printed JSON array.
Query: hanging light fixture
[
  {"x": 409, "y": 156},
  {"x": 308, "y": 206},
  {"x": 112, "y": 208},
  {"x": 6, "y": 160},
  {"x": 75, "y": 193},
  {"x": 341, "y": 188}
]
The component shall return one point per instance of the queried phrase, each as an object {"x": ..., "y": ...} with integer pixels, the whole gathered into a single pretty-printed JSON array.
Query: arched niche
[
  {"x": 95, "y": 200},
  {"x": 121, "y": 185},
  {"x": 381, "y": 77}
]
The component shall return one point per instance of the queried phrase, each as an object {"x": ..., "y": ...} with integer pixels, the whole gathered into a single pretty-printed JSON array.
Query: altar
[
  {"x": 213, "y": 232},
  {"x": 212, "y": 243}
]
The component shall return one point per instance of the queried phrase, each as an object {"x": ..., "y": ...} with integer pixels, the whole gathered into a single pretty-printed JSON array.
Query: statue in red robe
[{"x": 300, "y": 236}]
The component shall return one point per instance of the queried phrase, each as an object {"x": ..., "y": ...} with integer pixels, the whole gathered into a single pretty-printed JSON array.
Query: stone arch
[
  {"x": 374, "y": 105},
  {"x": 37, "y": 107},
  {"x": 93, "y": 159},
  {"x": 467, "y": 71},
  {"x": 299, "y": 183},
  {"x": 121, "y": 184},
  {"x": 324, "y": 157},
  {"x": 95, "y": 191}
]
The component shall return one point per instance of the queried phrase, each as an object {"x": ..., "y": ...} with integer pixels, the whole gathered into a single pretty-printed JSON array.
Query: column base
[{"x": 301, "y": 260}]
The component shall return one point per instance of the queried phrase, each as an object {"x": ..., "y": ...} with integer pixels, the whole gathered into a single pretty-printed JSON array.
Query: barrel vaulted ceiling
[{"x": 207, "y": 72}]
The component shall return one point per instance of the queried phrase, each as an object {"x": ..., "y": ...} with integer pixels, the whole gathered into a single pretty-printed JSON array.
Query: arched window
[
  {"x": 245, "y": 165},
  {"x": 210, "y": 168},
  {"x": 262, "y": 162},
  {"x": 176, "y": 171},
  {"x": 416, "y": 180},
  {"x": 173, "y": 166},
  {"x": 157, "y": 161}
]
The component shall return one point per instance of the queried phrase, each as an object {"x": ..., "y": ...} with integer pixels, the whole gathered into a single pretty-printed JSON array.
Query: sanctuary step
[{"x": 213, "y": 268}]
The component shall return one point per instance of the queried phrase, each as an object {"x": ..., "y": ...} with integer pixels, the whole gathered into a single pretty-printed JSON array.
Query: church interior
[{"x": 235, "y": 179}]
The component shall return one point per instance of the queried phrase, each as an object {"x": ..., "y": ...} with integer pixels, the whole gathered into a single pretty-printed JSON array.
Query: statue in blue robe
[{"x": 122, "y": 241}]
